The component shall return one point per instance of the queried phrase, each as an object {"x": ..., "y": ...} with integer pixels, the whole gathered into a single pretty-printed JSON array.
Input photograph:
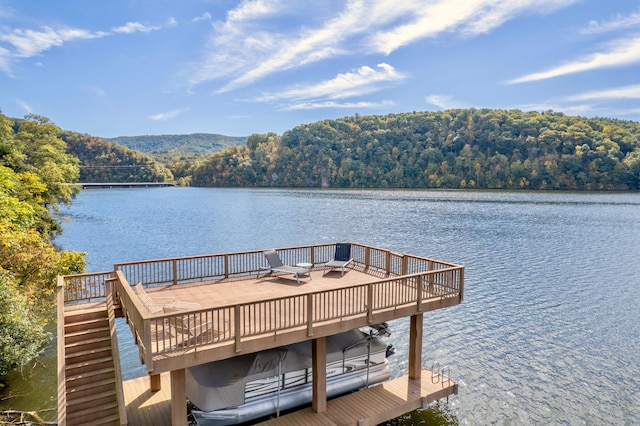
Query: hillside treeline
[
  {"x": 34, "y": 172},
  {"x": 192, "y": 144},
  {"x": 466, "y": 148},
  {"x": 103, "y": 161}
]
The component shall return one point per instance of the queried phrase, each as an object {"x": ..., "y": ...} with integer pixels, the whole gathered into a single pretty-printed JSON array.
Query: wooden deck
[
  {"x": 212, "y": 294},
  {"x": 241, "y": 310},
  {"x": 370, "y": 406}
]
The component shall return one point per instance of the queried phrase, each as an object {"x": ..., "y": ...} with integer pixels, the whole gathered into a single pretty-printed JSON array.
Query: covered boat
[{"x": 248, "y": 387}]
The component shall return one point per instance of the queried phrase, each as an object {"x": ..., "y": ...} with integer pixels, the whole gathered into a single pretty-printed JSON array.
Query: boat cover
[{"x": 221, "y": 384}]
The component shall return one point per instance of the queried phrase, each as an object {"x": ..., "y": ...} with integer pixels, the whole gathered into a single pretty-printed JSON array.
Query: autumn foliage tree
[{"x": 34, "y": 172}]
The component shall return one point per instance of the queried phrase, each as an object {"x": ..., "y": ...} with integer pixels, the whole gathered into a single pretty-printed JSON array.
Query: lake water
[{"x": 549, "y": 330}]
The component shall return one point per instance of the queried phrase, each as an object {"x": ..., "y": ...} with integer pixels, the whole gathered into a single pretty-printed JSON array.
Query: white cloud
[
  {"x": 362, "y": 81},
  {"x": 28, "y": 43},
  {"x": 206, "y": 16},
  {"x": 134, "y": 27},
  {"x": 445, "y": 102},
  {"x": 334, "y": 104},
  {"x": 5, "y": 60},
  {"x": 625, "y": 92},
  {"x": 25, "y": 106},
  {"x": 619, "y": 22},
  {"x": 466, "y": 17},
  {"x": 94, "y": 90},
  {"x": 624, "y": 51},
  {"x": 163, "y": 116},
  {"x": 249, "y": 45}
]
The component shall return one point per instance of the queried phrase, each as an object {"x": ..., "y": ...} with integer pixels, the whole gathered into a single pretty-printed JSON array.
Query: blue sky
[{"x": 142, "y": 67}]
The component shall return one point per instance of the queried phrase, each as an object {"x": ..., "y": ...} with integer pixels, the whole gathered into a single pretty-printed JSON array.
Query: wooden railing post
[
  {"x": 461, "y": 278},
  {"x": 237, "y": 327},
  {"x": 367, "y": 258},
  {"x": 388, "y": 261},
  {"x": 175, "y": 271},
  {"x": 419, "y": 279},
  {"x": 370, "y": 303},
  {"x": 226, "y": 266},
  {"x": 309, "y": 314}
]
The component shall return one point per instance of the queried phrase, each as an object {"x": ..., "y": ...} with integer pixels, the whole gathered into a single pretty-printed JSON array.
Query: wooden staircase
[{"x": 90, "y": 369}]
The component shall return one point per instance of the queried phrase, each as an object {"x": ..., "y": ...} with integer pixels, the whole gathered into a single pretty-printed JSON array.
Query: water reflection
[{"x": 548, "y": 330}]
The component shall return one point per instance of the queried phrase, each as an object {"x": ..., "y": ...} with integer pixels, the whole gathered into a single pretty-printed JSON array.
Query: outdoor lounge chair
[
  {"x": 190, "y": 329},
  {"x": 276, "y": 265},
  {"x": 341, "y": 258},
  {"x": 155, "y": 305}
]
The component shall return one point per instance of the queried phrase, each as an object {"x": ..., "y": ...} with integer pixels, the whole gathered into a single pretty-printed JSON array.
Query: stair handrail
[
  {"x": 115, "y": 352},
  {"x": 62, "y": 387}
]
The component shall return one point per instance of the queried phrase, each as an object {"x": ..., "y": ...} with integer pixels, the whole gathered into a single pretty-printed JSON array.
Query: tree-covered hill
[
  {"x": 464, "y": 148},
  {"x": 103, "y": 161},
  {"x": 193, "y": 144}
]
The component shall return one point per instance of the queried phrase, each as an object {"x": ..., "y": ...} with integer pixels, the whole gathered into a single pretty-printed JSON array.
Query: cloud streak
[
  {"x": 626, "y": 92},
  {"x": 615, "y": 24},
  {"x": 362, "y": 81},
  {"x": 26, "y": 43},
  {"x": 445, "y": 102},
  {"x": 249, "y": 46},
  {"x": 168, "y": 115},
  {"x": 334, "y": 104},
  {"x": 620, "y": 52}
]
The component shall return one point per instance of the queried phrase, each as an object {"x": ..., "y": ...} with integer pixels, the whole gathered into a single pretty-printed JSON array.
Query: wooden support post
[
  {"x": 178, "y": 398},
  {"x": 154, "y": 382},
  {"x": 319, "y": 365},
  {"x": 415, "y": 346}
]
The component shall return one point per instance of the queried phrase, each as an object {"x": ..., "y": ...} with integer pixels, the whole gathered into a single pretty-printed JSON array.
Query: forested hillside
[
  {"x": 465, "y": 148},
  {"x": 193, "y": 144},
  {"x": 34, "y": 172},
  {"x": 103, "y": 161}
]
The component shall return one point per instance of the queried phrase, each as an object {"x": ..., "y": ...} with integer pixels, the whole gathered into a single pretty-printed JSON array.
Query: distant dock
[{"x": 87, "y": 185}]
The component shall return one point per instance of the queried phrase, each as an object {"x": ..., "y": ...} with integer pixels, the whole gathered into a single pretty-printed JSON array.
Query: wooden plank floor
[
  {"x": 233, "y": 291},
  {"x": 145, "y": 407},
  {"x": 366, "y": 407},
  {"x": 372, "y": 406}
]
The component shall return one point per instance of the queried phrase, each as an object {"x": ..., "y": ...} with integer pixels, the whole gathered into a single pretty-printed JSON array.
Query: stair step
[
  {"x": 89, "y": 365},
  {"x": 71, "y": 327},
  {"x": 106, "y": 396},
  {"x": 75, "y": 390},
  {"x": 75, "y": 380},
  {"x": 70, "y": 336},
  {"x": 92, "y": 353},
  {"x": 85, "y": 314},
  {"x": 92, "y": 413},
  {"x": 113, "y": 419},
  {"x": 89, "y": 343}
]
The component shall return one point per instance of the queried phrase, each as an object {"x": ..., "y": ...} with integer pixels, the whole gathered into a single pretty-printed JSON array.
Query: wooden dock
[
  {"x": 224, "y": 305},
  {"x": 366, "y": 407}
]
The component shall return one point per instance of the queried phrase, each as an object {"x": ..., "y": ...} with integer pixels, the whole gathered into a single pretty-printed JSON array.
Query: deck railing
[
  {"x": 398, "y": 281},
  {"x": 241, "y": 264}
]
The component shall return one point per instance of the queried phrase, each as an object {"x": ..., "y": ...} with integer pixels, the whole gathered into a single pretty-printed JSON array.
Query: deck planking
[
  {"x": 370, "y": 406},
  {"x": 373, "y": 405},
  {"x": 211, "y": 294},
  {"x": 145, "y": 407}
]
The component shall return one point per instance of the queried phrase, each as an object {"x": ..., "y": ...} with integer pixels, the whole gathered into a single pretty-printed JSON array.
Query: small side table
[{"x": 304, "y": 265}]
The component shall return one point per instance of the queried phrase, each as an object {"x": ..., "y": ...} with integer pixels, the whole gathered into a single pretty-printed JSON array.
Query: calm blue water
[{"x": 549, "y": 330}]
